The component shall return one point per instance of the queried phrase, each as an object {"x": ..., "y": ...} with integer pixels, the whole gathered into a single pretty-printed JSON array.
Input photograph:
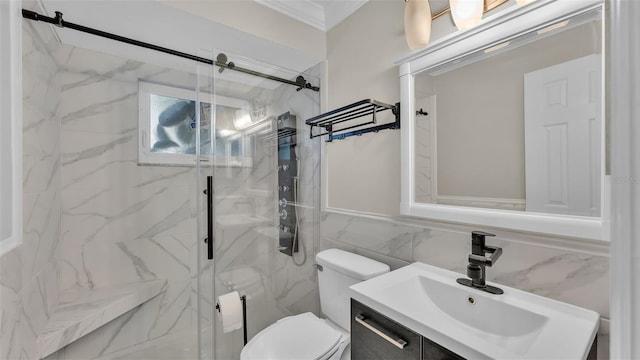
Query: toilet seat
[{"x": 299, "y": 337}]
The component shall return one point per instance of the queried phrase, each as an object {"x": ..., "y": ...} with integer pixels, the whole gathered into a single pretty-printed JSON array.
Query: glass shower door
[
  {"x": 266, "y": 183},
  {"x": 203, "y": 294}
]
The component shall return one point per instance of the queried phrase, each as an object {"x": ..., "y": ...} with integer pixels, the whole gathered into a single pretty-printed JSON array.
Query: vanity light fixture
[
  {"x": 418, "y": 17},
  {"x": 466, "y": 13},
  {"x": 417, "y": 23}
]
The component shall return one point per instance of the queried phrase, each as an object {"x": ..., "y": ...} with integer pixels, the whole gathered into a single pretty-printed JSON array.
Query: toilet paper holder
[{"x": 243, "y": 299}]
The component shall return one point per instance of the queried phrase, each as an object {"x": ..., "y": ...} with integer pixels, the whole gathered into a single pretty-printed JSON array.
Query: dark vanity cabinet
[{"x": 376, "y": 337}]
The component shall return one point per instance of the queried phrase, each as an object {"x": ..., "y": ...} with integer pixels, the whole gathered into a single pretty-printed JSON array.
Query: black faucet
[{"x": 478, "y": 262}]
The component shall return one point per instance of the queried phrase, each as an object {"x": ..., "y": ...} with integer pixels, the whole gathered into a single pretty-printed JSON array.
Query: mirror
[
  {"x": 516, "y": 126},
  {"x": 512, "y": 127}
]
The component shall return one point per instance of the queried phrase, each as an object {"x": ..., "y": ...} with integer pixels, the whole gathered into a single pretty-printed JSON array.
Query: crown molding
[
  {"x": 336, "y": 11},
  {"x": 320, "y": 14},
  {"x": 307, "y": 11}
]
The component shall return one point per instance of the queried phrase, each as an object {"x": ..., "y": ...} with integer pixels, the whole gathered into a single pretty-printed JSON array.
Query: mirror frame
[{"x": 494, "y": 30}]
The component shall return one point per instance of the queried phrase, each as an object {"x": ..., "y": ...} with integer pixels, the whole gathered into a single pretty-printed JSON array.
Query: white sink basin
[
  {"x": 479, "y": 325},
  {"x": 479, "y": 312}
]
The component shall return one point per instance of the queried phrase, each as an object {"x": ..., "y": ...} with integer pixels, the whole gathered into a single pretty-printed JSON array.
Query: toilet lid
[{"x": 300, "y": 337}]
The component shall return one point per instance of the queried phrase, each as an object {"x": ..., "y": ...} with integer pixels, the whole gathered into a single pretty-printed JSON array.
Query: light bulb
[
  {"x": 466, "y": 13},
  {"x": 417, "y": 23}
]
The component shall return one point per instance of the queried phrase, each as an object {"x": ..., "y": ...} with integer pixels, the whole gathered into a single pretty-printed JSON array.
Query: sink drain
[{"x": 471, "y": 300}]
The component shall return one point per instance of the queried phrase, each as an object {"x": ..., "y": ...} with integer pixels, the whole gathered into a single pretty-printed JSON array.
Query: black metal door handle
[{"x": 209, "y": 239}]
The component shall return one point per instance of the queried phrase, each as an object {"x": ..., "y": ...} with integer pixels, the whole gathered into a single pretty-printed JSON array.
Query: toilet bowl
[
  {"x": 306, "y": 336},
  {"x": 298, "y": 337}
]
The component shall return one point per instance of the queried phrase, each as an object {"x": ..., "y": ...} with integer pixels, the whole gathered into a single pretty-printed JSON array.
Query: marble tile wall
[
  {"x": 572, "y": 271},
  {"x": 29, "y": 273},
  {"x": 11, "y": 313},
  {"x": 121, "y": 222}
]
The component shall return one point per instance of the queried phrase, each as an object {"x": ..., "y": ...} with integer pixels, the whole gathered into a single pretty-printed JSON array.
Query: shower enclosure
[{"x": 177, "y": 183}]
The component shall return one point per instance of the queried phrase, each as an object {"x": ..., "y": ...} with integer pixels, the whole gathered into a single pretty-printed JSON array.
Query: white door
[{"x": 562, "y": 138}]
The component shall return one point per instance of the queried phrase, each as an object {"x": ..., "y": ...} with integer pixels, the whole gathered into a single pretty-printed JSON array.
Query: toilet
[{"x": 306, "y": 336}]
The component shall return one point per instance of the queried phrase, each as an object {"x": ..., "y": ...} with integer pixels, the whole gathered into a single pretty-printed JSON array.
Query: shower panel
[
  {"x": 287, "y": 184},
  {"x": 266, "y": 206}
]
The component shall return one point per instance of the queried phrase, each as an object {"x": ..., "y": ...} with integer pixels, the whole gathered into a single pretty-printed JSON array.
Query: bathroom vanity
[{"x": 421, "y": 312}]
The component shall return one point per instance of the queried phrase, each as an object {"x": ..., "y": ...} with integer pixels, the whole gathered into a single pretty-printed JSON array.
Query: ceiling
[{"x": 325, "y": 14}]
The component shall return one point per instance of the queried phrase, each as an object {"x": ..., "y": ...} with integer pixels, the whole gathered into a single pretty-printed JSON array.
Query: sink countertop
[{"x": 543, "y": 328}]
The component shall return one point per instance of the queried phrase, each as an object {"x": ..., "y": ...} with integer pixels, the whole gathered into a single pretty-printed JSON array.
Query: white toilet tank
[{"x": 341, "y": 269}]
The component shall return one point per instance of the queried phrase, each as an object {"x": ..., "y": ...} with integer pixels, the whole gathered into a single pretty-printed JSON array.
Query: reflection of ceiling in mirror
[{"x": 509, "y": 45}]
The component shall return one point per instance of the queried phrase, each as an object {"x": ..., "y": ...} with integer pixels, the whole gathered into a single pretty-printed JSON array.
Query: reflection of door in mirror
[
  {"x": 562, "y": 133},
  {"x": 470, "y": 149}
]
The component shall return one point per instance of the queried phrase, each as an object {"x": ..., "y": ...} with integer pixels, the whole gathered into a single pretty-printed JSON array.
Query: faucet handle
[{"x": 484, "y": 260}]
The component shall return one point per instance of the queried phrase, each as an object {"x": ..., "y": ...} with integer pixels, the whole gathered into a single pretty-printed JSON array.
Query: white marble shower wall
[
  {"x": 29, "y": 273},
  {"x": 570, "y": 270},
  {"x": 121, "y": 222}
]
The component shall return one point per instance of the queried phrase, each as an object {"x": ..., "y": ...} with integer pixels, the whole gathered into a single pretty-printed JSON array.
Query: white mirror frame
[{"x": 493, "y": 30}]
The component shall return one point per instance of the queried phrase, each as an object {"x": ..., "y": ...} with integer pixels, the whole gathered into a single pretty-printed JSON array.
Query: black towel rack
[{"x": 350, "y": 112}]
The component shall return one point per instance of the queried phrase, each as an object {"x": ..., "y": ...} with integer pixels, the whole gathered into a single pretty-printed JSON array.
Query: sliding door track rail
[{"x": 221, "y": 59}]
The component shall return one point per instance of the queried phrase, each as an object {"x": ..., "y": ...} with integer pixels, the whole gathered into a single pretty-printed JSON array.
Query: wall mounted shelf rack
[{"x": 357, "y": 110}]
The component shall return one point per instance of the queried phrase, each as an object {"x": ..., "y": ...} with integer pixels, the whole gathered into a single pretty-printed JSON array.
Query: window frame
[{"x": 146, "y": 157}]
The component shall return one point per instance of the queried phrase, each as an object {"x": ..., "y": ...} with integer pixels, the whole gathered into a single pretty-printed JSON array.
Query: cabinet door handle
[{"x": 396, "y": 341}]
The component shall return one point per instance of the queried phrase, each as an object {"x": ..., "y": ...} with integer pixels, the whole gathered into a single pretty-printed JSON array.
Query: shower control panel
[{"x": 287, "y": 184}]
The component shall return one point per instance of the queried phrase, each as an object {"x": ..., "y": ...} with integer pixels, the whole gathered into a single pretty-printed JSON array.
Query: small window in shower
[{"x": 168, "y": 127}]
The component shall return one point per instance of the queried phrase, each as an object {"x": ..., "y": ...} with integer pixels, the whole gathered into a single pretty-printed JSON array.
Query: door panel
[
  {"x": 204, "y": 294},
  {"x": 562, "y": 129}
]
